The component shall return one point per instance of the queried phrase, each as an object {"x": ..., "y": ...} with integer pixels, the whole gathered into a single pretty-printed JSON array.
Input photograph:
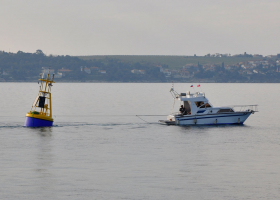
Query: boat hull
[
  {"x": 212, "y": 119},
  {"x": 35, "y": 122}
]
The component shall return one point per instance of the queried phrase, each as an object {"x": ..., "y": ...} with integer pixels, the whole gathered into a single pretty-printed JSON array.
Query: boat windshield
[
  {"x": 201, "y": 104},
  {"x": 207, "y": 105}
]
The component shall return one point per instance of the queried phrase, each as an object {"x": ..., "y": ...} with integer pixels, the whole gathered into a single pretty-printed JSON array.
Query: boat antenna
[{"x": 173, "y": 106}]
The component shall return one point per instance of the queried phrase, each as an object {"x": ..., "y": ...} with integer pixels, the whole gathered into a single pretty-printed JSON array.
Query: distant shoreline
[
  {"x": 216, "y": 68},
  {"x": 128, "y": 82}
]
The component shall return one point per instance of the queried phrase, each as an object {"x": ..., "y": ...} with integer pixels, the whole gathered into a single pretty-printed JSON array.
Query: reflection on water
[
  {"x": 44, "y": 131},
  {"x": 44, "y": 158}
]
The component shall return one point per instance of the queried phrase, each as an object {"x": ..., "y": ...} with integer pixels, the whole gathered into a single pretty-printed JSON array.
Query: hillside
[
  {"x": 23, "y": 66},
  {"x": 174, "y": 62}
]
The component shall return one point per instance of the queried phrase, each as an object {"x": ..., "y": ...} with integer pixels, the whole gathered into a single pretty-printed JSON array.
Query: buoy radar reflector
[{"x": 40, "y": 114}]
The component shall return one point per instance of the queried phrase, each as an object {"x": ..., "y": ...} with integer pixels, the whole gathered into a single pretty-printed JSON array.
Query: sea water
[{"x": 99, "y": 149}]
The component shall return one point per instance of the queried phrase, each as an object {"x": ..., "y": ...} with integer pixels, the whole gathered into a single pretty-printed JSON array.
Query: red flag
[{"x": 198, "y": 85}]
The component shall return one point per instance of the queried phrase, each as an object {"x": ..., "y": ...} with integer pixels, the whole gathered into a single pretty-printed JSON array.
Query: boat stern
[{"x": 171, "y": 118}]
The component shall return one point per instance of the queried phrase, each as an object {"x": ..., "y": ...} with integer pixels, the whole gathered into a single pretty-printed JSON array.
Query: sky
[{"x": 140, "y": 27}]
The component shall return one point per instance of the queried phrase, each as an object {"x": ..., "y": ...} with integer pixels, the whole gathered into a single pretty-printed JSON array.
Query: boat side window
[
  {"x": 199, "y": 103},
  {"x": 225, "y": 110}
]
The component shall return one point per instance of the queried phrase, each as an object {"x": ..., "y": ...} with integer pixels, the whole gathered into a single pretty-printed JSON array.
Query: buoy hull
[{"x": 35, "y": 122}]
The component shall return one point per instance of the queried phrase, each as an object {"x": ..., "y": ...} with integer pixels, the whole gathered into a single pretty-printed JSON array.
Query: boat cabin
[
  {"x": 194, "y": 103},
  {"x": 197, "y": 103}
]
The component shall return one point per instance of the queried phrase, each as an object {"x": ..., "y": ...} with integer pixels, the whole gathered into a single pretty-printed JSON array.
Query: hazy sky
[{"x": 140, "y": 27}]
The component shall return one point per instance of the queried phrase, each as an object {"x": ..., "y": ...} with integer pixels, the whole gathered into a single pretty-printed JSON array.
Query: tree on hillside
[{"x": 39, "y": 52}]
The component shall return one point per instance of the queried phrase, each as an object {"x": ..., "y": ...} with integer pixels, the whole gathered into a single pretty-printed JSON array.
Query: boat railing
[
  {"x": 197, "y": 94},
  {"x": 188, "y": 94},
  {"x": 176, "y": 113},
  {"x": 242, "y": 108}
]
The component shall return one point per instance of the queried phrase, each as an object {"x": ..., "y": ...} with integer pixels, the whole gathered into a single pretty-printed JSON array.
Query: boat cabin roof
[{"x": 198, "y": 96}]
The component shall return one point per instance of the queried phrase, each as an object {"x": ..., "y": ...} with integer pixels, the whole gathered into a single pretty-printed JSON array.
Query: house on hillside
[
  {"x": 47, "y": 70},
  {"x": 209, "y": 67},
  {"x": 167, "y": 73},
  {"x": 160, "y": 68},
  {"x": 58, "y": 75},
  {"x": 136, "y": 71},
  {"x": 271, "y": 56},
  {"x": 255, "y": 71},
  {"x": 64, "y": 71},
  {"x": 227, "y": 67},
  {"x": 87, "y": 70},
  {"x": 94, "y": 68},
  {"x": 102, "y": 71}
]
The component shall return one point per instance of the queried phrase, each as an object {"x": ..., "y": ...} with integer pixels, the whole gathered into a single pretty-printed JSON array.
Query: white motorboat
[{"x": 197, "y": 110}]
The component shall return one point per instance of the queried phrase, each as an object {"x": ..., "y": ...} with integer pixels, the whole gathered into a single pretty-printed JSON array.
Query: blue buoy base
[{"x": 34, "y": 122}]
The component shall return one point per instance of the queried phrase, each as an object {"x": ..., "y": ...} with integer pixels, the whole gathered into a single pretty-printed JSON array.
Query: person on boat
[{"x": 182, "y": 110}]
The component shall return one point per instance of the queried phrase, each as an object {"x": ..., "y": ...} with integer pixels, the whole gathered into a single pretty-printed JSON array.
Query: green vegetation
[
  {"x": 22, "y": 66},
  {"x": 174, "y": 62},
  {"x": 27, "y": 66}
]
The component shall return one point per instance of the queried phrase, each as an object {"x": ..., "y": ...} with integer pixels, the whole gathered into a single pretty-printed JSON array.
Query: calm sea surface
[{"x": 99, "y": 149}]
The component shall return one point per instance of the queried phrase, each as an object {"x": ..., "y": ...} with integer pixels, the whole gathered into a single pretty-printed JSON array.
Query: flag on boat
[
  {"x": 198, "y": 85},
  {"x": 191, "y": 85}
]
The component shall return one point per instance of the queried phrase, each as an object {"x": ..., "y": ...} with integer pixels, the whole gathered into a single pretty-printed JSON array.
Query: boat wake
[
  {"x": 101, "y": 124},
  {"x": 81, "y": 124}
]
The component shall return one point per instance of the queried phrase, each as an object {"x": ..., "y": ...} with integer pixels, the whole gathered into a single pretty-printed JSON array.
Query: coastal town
[
  {"x": 208, "y": 68},
  {"x": 262, "y": 66},
  {"x": 245, "y": 69}
]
